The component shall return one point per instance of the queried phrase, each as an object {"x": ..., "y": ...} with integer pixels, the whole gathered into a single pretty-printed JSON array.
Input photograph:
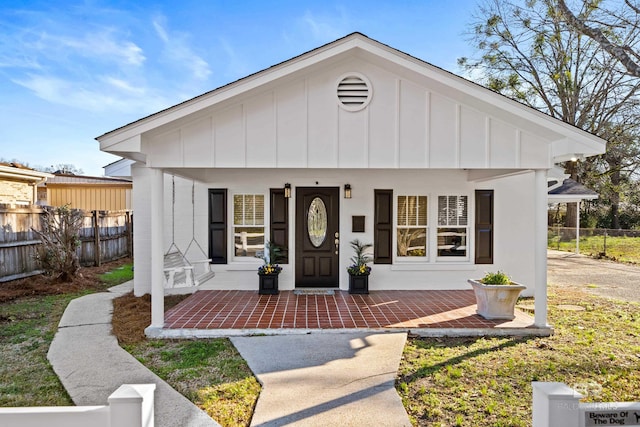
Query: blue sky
[{"x": 71, "y": 71}]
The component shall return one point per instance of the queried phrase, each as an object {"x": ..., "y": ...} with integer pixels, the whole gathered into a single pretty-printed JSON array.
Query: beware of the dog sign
[{"x": 620, "y": 415}]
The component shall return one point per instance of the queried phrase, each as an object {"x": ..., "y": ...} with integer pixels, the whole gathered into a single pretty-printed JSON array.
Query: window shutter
[
  {"x": 484, "y": 227},
  {"x": 218, "y": 225},
  {"x": 383, "y": 226},
  {"x": 279, "y": 229}
]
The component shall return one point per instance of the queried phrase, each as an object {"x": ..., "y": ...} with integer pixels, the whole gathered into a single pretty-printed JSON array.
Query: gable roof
[{"x": 567, "y": 139}]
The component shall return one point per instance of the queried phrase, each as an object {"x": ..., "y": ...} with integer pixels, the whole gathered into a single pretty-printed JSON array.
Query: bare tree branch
[{"x": 617, "y": 51}]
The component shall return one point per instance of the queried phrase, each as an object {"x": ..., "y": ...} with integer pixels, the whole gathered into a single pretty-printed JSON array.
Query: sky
[{"x": 73, "y": 70}]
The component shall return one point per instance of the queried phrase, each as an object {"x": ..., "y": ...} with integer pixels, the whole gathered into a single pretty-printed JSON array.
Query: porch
[{"x": 214, "y": 313}]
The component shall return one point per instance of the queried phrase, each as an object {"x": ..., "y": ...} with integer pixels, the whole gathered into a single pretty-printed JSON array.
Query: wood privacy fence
[{"x": 105, "y": 236}]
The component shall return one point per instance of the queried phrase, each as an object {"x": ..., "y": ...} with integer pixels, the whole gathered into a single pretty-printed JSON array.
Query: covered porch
[{"x": 215, "y": 313}]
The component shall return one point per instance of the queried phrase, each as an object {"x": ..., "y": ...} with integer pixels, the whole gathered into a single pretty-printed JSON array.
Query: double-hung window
[
  {"x": 248, "y": 224},
  {"x": 411, "y": 227},
  {"x": 453, "y": 226}
]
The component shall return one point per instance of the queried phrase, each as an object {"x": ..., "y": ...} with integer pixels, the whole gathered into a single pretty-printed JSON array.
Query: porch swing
[{"x": 179, "y": 271}]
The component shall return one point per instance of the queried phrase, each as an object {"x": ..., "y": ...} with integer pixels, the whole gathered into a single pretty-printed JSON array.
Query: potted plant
[
  {"x": 496, "y": 295},
  {"x": 359, "y": 270},
  {"x": 269, "y": 271}
]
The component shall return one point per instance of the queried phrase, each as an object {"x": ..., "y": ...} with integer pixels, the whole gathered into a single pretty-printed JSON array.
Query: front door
[{"x": 317, "y": 236}]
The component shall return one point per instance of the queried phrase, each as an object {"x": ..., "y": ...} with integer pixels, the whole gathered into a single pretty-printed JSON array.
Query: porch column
[
  {"x": 578, "y": 227},
  {"x": 157, "y": 248},
  {"x": 540, "y": 248}
]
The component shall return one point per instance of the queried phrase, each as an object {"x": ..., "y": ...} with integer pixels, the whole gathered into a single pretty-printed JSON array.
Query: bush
[{"x": 60, "y": 240}]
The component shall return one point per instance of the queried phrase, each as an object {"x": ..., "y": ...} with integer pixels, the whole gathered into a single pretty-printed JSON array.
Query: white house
[{"x": 446, "y": 178}]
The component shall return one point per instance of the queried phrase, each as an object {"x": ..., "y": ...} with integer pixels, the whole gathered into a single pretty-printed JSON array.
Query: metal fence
[
  {"x": 622, "y": 245},
  {"x": 105, "y": 236}
]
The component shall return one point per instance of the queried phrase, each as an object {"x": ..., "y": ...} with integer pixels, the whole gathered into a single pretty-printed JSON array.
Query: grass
[
  {"x": 29, "y": 316},
  {"x": 119, "y": 275},
  {"x": 621, "y": 249},
  {"x": 209, "y": 372},
  {"x": 487, "y": 381},
  {"x": 27, "y": 329}
]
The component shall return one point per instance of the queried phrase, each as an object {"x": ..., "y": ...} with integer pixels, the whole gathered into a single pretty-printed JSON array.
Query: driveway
[{"x": 600, "y": 277}]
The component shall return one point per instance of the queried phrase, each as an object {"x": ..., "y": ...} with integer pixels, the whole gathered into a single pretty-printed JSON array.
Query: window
[
  {"x": 411, "y": 231},
  {"x": 452, "y": 226},
  {"x": 248, "y": 224}
]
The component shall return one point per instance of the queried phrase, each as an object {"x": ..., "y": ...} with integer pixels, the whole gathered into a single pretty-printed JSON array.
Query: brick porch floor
[{"x": 406, "y": 310}]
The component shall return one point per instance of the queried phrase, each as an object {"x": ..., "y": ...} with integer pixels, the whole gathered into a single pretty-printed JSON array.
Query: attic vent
[{"x": 354, "y": 92}]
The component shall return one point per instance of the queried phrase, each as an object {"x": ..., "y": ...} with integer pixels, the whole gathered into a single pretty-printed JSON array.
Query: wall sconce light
[
  {"x": 576, "y": 157},
  {"x": 287, "y": 190},
  {"x": 347, "y": 191}
]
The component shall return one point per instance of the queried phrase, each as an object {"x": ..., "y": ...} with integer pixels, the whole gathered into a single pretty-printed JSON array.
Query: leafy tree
[
  {"x": 60, "y": 240},
  {"x": 529, "y": 52}
]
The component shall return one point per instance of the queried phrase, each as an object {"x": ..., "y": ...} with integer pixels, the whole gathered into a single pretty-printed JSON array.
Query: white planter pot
[{"x": 496, "y": 301}]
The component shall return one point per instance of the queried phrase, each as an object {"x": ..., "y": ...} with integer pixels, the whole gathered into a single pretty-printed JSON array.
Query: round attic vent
[{"x": 354, "y": 92}]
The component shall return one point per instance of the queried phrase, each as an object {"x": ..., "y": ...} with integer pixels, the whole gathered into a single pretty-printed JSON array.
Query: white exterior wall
[
  {"x": 296, "y": 122},
  {"x": 513, "y": 207}
]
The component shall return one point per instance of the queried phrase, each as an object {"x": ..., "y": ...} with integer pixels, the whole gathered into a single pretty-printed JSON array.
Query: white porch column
[
  {"x": 540, "y": 248},
  {"x": 157, "y": 244},
  {"x": 578, "y": 227}
]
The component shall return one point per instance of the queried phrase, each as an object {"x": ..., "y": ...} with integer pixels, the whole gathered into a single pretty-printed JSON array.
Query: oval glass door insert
[{"x": 317, "y": 222}]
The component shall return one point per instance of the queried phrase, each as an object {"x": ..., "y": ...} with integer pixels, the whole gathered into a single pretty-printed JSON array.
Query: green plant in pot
[
  {"x": 268, "y": 272},
  {"x": 496, "y": 295},
  {"x": 497, "y": 278},
  {"x": 359, "y": 270}
]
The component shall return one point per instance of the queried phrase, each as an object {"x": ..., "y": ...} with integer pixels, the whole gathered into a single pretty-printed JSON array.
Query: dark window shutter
[
  {"x": 383, "y": 227},
  {"x": 218, "y": 225},
  {"x": 484, "y": 227},
  {"x": 279, "y": 229}
]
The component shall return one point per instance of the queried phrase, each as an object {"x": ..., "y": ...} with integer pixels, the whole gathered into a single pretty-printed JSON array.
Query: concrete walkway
[
  {"x": 326, "y": 379},
  {"x": 308, "y": 380},
  {"x": 91, "y": 365}
]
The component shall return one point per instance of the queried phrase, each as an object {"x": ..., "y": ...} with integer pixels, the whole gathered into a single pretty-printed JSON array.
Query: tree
[
  {"x": 60, "y": 240},
  {"x": 530, "y": 53},
  {"x": 64, "y": 168},
  {"x": 614, "y": 40}
]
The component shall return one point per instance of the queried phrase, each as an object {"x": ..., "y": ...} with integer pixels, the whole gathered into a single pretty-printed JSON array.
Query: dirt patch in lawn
[
  {"x": 86, "y": 279},
  {"x": 132, "y": 314}
]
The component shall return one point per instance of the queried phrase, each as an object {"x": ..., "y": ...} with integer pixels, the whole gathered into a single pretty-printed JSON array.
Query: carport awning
[{"x": 571, "y": 191}]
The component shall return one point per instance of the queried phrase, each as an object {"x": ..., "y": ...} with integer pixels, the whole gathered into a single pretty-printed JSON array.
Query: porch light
[
  {"x": 287, "y": 190},
  {"x": 347, "y": 191},
  {"x": 576, "y": 157}
]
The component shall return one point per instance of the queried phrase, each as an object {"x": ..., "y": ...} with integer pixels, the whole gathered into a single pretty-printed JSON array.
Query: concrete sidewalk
[
  {"x": 307, "y": 380},
  {"x": 326, "y": 379},
  {"x": 91, "y": 365}
]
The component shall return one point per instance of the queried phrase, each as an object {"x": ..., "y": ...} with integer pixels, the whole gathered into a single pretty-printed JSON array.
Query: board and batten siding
[{"x": 297, "y": 123}]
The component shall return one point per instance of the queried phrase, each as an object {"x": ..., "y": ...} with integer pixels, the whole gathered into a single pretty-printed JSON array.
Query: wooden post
[
  {"x": 129, "y": 232},
  {"x": 96, "y": 239}
]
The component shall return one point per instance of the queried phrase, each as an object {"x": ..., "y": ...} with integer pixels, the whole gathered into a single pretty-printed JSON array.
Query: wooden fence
[{"x": 105, "y": 236}]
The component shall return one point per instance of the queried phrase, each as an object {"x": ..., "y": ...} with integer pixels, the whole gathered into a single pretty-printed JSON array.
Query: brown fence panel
[
  {"x": 105, "y": 236},
  {"x": 18, "y": 242}
]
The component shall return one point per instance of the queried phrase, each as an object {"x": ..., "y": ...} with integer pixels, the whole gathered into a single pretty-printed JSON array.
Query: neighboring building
[
  {"x": 18, "y": 184},
  {"x": 446, "y": 178},
  {"x": 86, "y": 192}
]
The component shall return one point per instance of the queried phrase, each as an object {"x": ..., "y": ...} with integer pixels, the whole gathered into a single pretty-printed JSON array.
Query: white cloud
[
  {"x": 103, "y": 46},
  {"x": 113, "y": 95},
  {"x": 328, "y": 27},
  {"x": 178, "y": 51}
]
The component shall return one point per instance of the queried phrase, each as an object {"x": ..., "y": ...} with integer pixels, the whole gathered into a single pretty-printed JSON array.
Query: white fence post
[
  {"x": 132, "y": 405},
  {"x": 555, "y": 405}
]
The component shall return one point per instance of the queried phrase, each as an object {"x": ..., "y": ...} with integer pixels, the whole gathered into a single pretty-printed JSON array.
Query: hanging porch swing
[{"x": 179, "y": 269}]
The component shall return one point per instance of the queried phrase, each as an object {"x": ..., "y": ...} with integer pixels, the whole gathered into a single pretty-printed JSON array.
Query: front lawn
[{"x": 487, "y": 381}]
